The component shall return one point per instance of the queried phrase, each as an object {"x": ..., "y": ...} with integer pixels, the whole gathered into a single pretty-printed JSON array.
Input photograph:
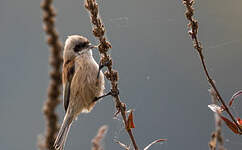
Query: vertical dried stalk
[
  {"x": 112, "y": 75},
  {"x": 96, "y": 141},
  {"x": 193, "y": 25},
  {"x": 216, "y": 138},
  {"x": 55, "y": 75}
]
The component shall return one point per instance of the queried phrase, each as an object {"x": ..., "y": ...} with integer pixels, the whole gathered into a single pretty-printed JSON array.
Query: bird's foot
[
  {"x": 107, "y": 94},
  {"x": 98, "y": 98},
  {"x": 101, "y": 66}
]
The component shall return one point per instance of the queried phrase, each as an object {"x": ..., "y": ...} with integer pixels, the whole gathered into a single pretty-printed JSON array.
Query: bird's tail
[{"x": 63, "y": 132}]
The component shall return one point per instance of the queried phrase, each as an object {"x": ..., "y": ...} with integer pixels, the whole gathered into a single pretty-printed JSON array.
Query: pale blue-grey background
[{"x": 160, "y": 73}]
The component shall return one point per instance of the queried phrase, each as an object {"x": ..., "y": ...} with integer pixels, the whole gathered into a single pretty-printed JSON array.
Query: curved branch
[{"x": 193, "y": 24}]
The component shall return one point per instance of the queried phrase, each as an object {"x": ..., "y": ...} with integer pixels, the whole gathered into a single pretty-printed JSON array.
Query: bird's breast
[{"x": 85, "y": 86}]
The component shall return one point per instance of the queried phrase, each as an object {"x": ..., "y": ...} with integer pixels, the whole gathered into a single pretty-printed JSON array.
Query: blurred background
[{"x": 160, "y": 73}]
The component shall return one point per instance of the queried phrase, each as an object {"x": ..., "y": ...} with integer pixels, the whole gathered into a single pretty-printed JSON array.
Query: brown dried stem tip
[
  {"x": 112, "y": 75},
  {"x": 193, "y": 26},
  {"x": 55, "y": 75},
  {"x": 96, "y": 141}
]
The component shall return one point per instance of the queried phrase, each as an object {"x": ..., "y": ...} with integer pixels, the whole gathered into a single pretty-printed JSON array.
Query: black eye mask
[{"x": 80, "y": 47}]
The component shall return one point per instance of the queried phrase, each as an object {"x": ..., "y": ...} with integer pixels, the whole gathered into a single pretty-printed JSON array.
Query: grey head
[{"x": 76, "y": 45}]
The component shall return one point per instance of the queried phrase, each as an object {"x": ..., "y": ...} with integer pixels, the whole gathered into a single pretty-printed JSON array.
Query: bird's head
[{"x": 76, "y": 45}]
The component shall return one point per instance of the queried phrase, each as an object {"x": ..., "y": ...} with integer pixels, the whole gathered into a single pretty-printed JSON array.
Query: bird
[{"x": 81, "y": 87}]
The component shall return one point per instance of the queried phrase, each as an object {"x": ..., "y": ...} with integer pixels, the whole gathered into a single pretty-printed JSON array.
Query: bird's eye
[{"x": 80, "y": 46}]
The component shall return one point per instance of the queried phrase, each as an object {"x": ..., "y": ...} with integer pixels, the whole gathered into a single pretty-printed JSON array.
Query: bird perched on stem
[{"x": 81, "y": 87}]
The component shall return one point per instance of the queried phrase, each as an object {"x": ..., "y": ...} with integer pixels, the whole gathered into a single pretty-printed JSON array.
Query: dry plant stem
[
  {"x": 217, "y": 138},
  {"x": 112, "y": 75},
  {"x": 193, "y": 24},
  {"x": 55, "y": 75}
]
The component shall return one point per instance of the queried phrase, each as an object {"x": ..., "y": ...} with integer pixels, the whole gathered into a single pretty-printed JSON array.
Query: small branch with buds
[
  {"x": 55, "y": 76},
  {"x": 193, "y": 25},
  {"x": 111, "y": 74}
]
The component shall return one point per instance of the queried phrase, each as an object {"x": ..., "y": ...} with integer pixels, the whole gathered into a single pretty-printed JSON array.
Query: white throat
[{"x": 86, "y": 52}]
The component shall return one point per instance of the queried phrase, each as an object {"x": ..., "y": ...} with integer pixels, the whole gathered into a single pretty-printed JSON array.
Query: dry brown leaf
[
  {"x": 230, "y": 124},
  {"x": 130, "y": 120}
]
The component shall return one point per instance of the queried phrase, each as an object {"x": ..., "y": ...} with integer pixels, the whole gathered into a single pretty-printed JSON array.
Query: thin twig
[
  {"x": 216, "y": 138},
  {"x": 122, "y": 145},
  {"x": 193, "y": 25},
  {"x": 111, "y": 74},
  {"x": 55, "y": 75},
  {"x": 154, "y": 142},
  {"x": 96, "y": 141}
]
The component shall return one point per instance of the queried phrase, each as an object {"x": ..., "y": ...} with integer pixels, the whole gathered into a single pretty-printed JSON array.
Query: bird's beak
[{"x": 90, "y": 46}]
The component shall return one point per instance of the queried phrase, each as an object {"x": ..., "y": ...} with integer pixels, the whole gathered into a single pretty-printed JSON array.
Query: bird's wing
[{"x": 68, "y": 73}]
